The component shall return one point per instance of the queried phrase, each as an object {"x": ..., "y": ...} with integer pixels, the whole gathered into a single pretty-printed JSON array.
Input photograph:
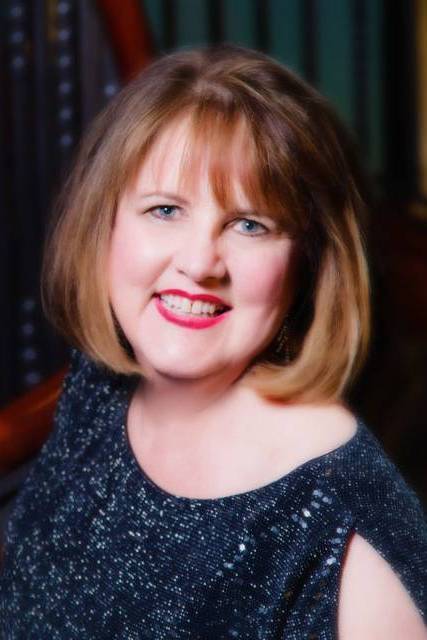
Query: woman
[{"x": 204, "y": 478}]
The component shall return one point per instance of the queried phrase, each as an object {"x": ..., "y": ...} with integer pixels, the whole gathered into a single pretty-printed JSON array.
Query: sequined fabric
[{"x": 94, "y": 549}]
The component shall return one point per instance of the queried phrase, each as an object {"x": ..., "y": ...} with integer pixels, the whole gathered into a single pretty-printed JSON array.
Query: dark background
[{"x": 59, "y": 64}]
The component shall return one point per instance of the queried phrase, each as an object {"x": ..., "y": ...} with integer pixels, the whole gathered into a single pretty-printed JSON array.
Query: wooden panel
[{"x": 27, "y": 421}]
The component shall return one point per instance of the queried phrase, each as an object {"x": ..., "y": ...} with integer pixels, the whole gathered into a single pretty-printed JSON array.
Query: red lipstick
[
  {"x": 191, "y": 322},
  {"x": 194, "y": 296}
]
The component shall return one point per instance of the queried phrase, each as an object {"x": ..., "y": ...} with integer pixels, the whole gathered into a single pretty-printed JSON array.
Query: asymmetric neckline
[{"x": 140, "y": 474}]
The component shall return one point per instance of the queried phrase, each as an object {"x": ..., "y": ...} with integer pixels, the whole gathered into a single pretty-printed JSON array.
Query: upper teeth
[{"x": 188, "y": 306}]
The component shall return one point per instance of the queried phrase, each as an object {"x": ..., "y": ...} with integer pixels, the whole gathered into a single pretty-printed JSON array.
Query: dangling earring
[{"x": 281, "y": 345}]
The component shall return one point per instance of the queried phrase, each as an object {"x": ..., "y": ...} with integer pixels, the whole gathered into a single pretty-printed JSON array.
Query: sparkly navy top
[{"x": 94, "y": 549}]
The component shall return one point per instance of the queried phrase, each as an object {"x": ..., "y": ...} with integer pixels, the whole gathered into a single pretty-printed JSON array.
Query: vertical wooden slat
[
  {"x": 8, "y": 279},
  {"x": 54, "y": 54},
  {"x": 375, "y": 70},
  {"x": 41, "y": 99},
  {"x": 128, "y": 34},
  {"x": 215, "y": 19},
  {"x": 99, "y": 63},
  {"x": 421, "y": 35},
  {"x": 286, "y": 32},
  {"x": 239, "y": 22},
  {"x": 360, "y": 76},
  {"x": 153, "y": 10},
  {"x": 43, "y": 118},
  {"x": 400, "y": 109},
  {"x": 66, "y": 63},
  {"x": 191, "y": 22},
  {"x": 169, "y": 21},
  {"x": 335, "y": 55},
  {"x": 262, "y": 35},
  {"x": 310, "y": 40},
  {"x": 25, "y": 211}
]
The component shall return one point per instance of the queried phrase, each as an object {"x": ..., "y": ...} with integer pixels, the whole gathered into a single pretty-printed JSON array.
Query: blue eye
[
  {"x": 253, "y": 225},
  {"x": 164, "y": 211}
]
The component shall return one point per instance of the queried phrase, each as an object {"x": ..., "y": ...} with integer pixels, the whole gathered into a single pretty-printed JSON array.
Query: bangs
[
  {"x": 222, "y": 144},
  {"x": 235, "y": 153}
]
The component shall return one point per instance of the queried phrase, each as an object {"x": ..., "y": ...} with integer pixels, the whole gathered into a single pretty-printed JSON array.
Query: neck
[{"x": 185, "y": 406}]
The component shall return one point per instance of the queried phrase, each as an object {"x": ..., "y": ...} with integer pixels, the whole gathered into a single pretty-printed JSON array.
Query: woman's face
[{"x": 168, "y": 237}]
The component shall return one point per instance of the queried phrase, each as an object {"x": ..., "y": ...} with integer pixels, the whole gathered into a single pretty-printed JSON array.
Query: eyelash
[{"x": 170, "y": 206}]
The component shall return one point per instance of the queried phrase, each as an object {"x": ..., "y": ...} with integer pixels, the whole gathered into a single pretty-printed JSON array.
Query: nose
[{"x": 201, "y": 258}]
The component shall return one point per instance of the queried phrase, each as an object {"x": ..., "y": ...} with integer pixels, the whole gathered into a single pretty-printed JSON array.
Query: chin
[
  {"x": 186, "y": 373},
  {"x": 177, "y": 367}
]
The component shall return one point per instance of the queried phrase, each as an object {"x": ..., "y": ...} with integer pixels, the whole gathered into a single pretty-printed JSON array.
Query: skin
[
  {"x": 199, "y": 248},
  {"x": 190, "y": 402},
  {"x": 194, "y": 245},
  {"x": 373, "y": 603}
]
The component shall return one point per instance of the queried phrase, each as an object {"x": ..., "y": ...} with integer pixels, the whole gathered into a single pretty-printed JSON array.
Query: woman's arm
[{"x": 373, "y": 603}]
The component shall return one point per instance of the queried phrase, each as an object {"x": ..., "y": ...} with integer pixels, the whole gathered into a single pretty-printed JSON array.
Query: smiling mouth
[
  {"x": 188, "y": 319},
  {"x": 186, "y": 309}
]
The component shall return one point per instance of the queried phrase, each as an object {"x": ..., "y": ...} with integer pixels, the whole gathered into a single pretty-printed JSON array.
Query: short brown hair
[{"x": 303, "y": 168}]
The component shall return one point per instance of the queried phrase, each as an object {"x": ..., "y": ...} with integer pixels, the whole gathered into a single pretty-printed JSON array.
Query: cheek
[
  {"x": 132, "y": 262},
  {"x": 267, "y": 277},
  {"x": 119, "y": 255}
]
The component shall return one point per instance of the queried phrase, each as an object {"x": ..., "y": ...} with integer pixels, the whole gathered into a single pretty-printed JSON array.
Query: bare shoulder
[
  {"x": 373, "y": 603},
  {"x": 334, "y": 421},
  {"x": 317, "y": 428},
  {"x": 301, "y": 432}
]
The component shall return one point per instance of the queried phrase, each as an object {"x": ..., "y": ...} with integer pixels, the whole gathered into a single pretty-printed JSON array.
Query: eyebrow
[
  {"x": 177, "y": 198},
  {"x": 163, "y": 194}
]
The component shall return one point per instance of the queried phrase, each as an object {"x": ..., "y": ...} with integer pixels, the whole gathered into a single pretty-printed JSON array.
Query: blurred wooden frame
[
  {"x": 128, "y": 33},
  {"x": 27, "y": 421}
]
